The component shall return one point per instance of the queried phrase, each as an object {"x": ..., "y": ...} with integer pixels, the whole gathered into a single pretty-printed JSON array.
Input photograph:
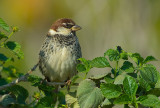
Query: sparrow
[{"x": 60, "y": 51}]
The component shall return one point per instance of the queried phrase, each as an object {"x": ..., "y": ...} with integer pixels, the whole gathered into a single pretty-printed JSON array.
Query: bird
[{"x": 60, "y": 51}]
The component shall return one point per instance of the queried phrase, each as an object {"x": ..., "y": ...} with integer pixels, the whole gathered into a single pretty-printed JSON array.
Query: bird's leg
[{"x": 68, "y": 83}]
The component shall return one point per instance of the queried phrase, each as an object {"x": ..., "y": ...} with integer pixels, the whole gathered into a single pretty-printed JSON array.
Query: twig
[
  {"x": 24, "y": 78},
  {"x": 54, "y": 83},
  {"x": 58, "y": 83},
  {"x": 20, "y": 79}
]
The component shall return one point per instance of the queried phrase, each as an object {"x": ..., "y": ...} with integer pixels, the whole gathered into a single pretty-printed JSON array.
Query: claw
[{"x": 68, "y": 83}]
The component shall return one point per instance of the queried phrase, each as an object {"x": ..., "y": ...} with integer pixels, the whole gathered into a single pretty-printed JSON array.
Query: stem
[
  {"x": 115, "y": 74},
  {"x": 85, "y": 76},
  {"x": 2, "y": 44},
  {"x": 20, "y": 79},
  {"x": 135, "y": 103}
]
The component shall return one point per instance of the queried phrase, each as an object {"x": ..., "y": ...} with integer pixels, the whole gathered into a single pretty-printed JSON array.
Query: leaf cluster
[
  {"x": 132, "y": 81},
  {"x": 6, "y": 45},
  {"x": 15, "y": 95}
]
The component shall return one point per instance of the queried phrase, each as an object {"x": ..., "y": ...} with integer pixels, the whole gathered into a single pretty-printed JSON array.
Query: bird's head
[{"x": 64, "y": 27}]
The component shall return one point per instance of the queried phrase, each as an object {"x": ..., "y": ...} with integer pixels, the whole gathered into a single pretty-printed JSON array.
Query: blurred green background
[{"x": 132, "y": 24}]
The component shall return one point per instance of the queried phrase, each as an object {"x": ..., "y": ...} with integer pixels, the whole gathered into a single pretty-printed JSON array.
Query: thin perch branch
[
  {"x": 20, "y": 79},
  {"x": 24, "y": 79},
  {"x": 54, "y": 83},
  {"x": 57, "y": 83}
]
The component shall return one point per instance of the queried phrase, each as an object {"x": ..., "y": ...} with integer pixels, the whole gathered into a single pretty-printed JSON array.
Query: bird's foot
[{"x": 68, "y": 83}]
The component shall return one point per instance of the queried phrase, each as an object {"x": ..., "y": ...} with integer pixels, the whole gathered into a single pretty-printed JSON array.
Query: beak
[{"x": 76, "y": 28}]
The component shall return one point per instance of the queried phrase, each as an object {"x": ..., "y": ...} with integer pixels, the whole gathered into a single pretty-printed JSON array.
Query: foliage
[
  {"x": 8, "y": 71},
  {"x": 133, "y": 84},
  {"x": 131, "y": 81}
]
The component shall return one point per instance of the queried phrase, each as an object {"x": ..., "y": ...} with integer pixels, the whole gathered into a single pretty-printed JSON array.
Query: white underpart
[
  {"x": 60, "y": 30},
  {"x": 61, "y": 65}
]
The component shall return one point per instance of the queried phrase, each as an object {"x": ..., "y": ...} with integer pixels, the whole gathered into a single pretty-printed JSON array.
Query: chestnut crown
[{"x": 64, "y": 22}]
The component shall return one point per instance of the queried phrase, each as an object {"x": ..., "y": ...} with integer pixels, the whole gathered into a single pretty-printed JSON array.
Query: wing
[
  {"x": 44, "y": 54},
  {"x": 78, "y": 52}
]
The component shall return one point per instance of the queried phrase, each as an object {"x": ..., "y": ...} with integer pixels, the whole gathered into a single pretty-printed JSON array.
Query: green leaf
[
  {"x": 134, "y": 75},
  {"x": 20, "y": 92},
  {"x": 3, "y": 81},
  {"x": 130, "y": 86},
  {"x": 106, "y": 102},
  {"x": 155, "y": 91},
  {"x": 112, "y": 54},
  {"x": 85, "y": 67},
  {"x": 123, "y": 99},
  {"x": 149, "y": 100},
  {"x": 119, "y": 79},
  {"x": 71, "y": 100},
  {"x": 124, "y": 56},
  {"x": 76, "y": 105},
  {"x": 98, "y": 76},
  {"x": 15, "y": 47},
  {"x": 100, "y": 62},
  {"x": 144, "y": 84},
  {"x": 149, "y": 74},
  {"x": 136, "y": 57},
  {"x": 2, "y": 35},
  {"x": 35, "y": 80},
  {"x": 74, "y": 78},
  {"x": 110, "y": 90},
  {"x": 109, "y": 79},
  {"x": 4, "y": 26},
  {"x": 128, "y": 67},
  {"x": 89, "y": 96},
  {"x": 157, "y": 85},
  {"x": 157, "y": 106},
  {"x": 81, "y": 68},
  {"x": 61, "y": 97},
  {"x": 83, "y": 60},
  {"x": 7, "y": 100},
  {"x": 149, "y": 58},
  {"x": 3, "y": 57},
  {"x": 46, "y": 101}
]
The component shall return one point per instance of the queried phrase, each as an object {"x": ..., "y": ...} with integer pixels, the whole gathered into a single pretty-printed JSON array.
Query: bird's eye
[{"x": 68, "y": 25}]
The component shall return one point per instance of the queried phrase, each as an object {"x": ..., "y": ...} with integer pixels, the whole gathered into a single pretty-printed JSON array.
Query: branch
[
  {"x": 20, "y": 79},
  {"x": 24, "y": 78},
  {"x": 54, "y": 83},
  {"x": 58, "y": 83}
]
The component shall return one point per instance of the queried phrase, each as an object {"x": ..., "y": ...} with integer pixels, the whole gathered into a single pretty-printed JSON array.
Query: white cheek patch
[
  {"x": 52, "y": 32},
  {"x": 64, "y": 23},
  {"x": 60, "y": 30},
  {"x": 64, "y": 31}
]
